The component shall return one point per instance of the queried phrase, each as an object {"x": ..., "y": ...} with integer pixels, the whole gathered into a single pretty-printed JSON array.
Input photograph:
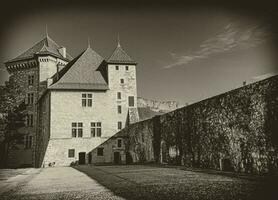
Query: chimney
[
  {"x": 63, "y": 51},
  {"x": 244, "y": 83}
]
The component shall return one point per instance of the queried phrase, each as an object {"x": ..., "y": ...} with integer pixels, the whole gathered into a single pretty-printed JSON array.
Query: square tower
[
  {"x": 29, "y": 72},
  {"x": 122, "y": 82}
]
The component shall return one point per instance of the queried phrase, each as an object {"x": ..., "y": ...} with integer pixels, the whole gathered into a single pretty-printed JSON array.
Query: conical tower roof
[{"x": 120, "y": 56}]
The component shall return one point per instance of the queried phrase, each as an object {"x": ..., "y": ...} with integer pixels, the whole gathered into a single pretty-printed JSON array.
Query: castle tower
[
  {"x": 122, "y": 82},
  {"x": 30, "y": 71}
]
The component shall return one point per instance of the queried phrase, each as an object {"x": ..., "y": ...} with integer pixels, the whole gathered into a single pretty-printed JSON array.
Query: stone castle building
[{"x": 73, "y": 105}]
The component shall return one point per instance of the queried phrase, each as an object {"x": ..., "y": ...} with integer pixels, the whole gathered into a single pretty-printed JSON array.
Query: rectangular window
[
  {"x": 87, "y": 100},
  {"x": 76, "y": 129},
  {"x": 71, "y": 153},
  {"x": 119, "y": 125},
  {"x": 28, "y": 141},
  {"x": 126, "y": 68},
  {"x": 30, "y": 79},
  {"x": 119, "y": 109},
  {"x": 100, "y": 151},
  {"x": 119, "y": 95},
  {"x": 122, "y": 80},
  {"x": 95, "y": 129},
  {"x": 131, "y": 101},
  {"x": 119, "y": 143},
  {"x": 80, "y": 129},
  {"x": 29, "y": 120},
  {"x": 117, "y": 67},
  {"x": 30, "y": 98},
  {"x": 90, "y": 100}
]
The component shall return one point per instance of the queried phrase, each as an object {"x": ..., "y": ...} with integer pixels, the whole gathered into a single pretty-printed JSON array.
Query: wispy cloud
[{"x": 231, "y": 37}]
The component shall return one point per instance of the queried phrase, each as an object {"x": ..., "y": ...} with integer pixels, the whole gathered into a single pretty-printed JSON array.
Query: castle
[{"x": 73, "y": 104}]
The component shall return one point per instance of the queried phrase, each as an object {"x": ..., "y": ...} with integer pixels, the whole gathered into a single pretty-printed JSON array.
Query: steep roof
[
  {"x": 120, "y": 56},
  {"x": 81, "y": 73},
  {"x": 46, "y": 46}
]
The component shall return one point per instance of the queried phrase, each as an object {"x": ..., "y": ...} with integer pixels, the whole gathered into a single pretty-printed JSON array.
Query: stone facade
[
  {"x": 22, "y": 69},
  {"x": 23, "y": 156},
  {"x": 60, "y": 108},
  {"x": 234, "y": 131}
]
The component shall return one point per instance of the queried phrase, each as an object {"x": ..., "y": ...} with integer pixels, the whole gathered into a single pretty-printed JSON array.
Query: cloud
[{"x": 230, "y": 38}]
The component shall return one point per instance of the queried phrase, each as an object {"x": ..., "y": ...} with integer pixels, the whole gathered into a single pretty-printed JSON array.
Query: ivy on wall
[{"x": 234, "y": 131}]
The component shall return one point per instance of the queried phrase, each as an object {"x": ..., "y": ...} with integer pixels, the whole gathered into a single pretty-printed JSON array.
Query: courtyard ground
[
  {"x": 129, "y": 182},
  {"x": 158, "y": 182}
]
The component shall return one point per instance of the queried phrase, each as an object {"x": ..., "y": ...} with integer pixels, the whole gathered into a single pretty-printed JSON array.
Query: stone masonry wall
[
  {"x": 234, "y": 131},
  {"x": 21, "y": 156}
]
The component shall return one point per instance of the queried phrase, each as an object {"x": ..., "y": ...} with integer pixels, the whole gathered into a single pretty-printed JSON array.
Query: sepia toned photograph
[{"x": 139, "y": 100}]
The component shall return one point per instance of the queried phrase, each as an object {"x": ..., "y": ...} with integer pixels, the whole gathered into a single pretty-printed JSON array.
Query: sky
[{"x": 184, "y": 55}]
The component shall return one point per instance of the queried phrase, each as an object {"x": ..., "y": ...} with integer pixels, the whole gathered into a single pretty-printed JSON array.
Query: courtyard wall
[{"x": 234, "y": 131}]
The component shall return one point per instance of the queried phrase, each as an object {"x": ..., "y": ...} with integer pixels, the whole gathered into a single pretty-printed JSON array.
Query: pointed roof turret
[
  {"x": 120, "y": 56},
  {"x": 46, "y": 46},
  {"x": 82, "y": 73}
]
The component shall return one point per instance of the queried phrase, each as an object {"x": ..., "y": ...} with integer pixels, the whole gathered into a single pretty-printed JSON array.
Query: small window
[
  {"x": 87, "y": 100},
  {"x": 126, "y": 68},
  {"x": 28, "y": 140},
  {"x": 119, "y": 143},
  {"x": 119, "y": 125},
  {"x": 119, "y": 109},
  {"x": 71, "y": 153},
  {"x": 77, "y": 129},
  {"x": 131, "y": 101},
  {"x": 29, "y": 120},
  {"x": 117, "y": 67},
  {"x": 95, "y": 129},
  {"x": 30, "y": 79},
  {"x": 119, "y": 95},
  {"x": 122, "y": 80},
  {"x": 100, "y": 151},
  {"x": 30, "y": 98}
]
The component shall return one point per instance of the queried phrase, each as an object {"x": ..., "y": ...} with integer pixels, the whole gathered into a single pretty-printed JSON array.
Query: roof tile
[
  {"x": 81, "y": 73},
  {"x": 120, "y": 56},
  {"x": 45, "y": 46}
]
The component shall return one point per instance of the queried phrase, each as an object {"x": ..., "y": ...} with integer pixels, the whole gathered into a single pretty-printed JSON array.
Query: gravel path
[
  {"x": 59, "y": 183},
  {"x": 131, "y": 182}
]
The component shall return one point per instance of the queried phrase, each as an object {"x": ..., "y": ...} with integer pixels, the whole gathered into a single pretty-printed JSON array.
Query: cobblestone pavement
[{"x": 126, "y": 182}]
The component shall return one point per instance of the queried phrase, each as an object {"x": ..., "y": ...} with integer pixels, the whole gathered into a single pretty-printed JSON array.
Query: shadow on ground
[{"x": 149, "y": 182}]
